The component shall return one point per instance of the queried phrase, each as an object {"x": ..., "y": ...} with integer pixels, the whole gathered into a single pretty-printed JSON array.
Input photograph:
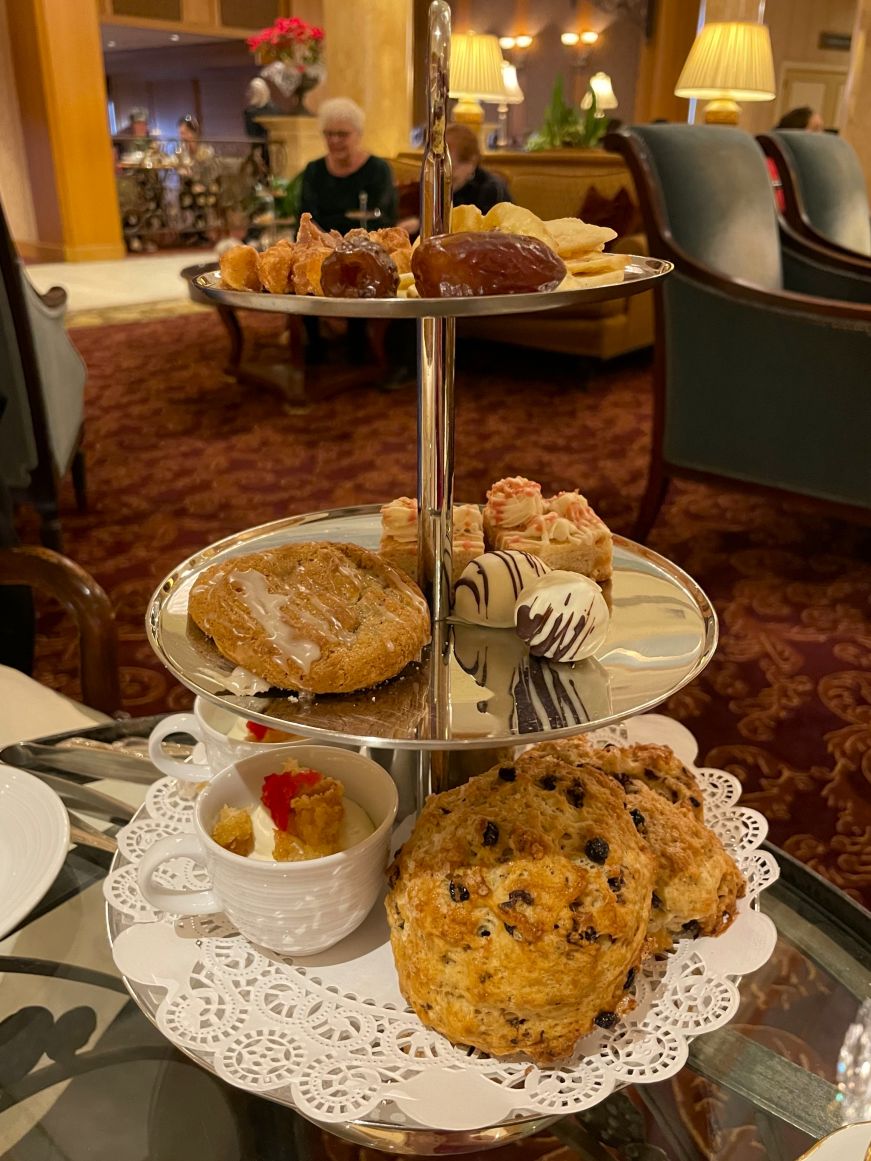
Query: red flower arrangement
[{"x": 290, "y": 40}]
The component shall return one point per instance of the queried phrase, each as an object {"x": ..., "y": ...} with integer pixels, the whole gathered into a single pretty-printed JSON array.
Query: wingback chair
[
  {"x": 824, "y": 190},
  {"x": 42, "y": 381},
  {"x": 755, "y": 383}
]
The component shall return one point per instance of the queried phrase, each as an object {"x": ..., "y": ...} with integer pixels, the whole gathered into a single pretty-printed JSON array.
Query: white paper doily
[{"x": 331, "y": 1034}]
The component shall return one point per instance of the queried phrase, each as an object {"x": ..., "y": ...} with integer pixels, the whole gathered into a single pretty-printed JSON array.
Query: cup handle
[
  {"x": 175, "y": 846},
  {"x": 186, "y": 771}
]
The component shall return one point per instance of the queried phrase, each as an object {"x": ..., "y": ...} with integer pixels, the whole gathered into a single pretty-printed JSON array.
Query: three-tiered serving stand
[{"x": 473, "y": 689}]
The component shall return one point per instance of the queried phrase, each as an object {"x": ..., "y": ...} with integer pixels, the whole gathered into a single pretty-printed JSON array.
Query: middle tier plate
[
  {"x": 640, "y": 274},
  {"x": 478, "y": 687}
]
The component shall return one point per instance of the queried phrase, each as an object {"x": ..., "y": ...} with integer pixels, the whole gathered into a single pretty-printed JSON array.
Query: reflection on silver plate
[
  {"x": 475, "y": 687},
  {"x": 639, "y": 275}
]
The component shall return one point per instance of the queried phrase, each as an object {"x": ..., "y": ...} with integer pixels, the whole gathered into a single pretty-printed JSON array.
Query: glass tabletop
[{"x": 83, "y": 1074}]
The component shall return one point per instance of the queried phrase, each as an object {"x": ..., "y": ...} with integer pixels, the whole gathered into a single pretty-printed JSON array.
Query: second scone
[
  {"x": 315, "y": 616},
  {"x": 517, "y": 909}
]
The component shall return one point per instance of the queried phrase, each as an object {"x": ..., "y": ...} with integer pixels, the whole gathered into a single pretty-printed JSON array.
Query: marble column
[
  {"x": 368, "y": 58},
  {"x": 61, "y": 90},
  {"x": 856, "y": 116}
]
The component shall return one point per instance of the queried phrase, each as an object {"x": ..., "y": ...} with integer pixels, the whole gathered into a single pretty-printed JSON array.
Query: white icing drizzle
[
  {"x": 268, "y": 609},
  {"x": 241, "y": 681}
]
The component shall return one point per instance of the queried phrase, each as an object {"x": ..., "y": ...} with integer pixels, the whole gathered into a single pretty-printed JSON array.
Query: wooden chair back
[{"x": 91, "y": 609}]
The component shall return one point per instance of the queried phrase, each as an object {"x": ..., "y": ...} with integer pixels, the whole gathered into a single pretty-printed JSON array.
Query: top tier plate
[
  {"x": 639, "y": 275},
  {"x": 476, "y": 688}
]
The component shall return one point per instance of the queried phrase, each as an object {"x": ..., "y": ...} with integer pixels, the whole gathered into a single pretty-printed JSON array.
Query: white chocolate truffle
[
  {"x": 562, "y": 615},
  {"x": 487, "y": 591}
]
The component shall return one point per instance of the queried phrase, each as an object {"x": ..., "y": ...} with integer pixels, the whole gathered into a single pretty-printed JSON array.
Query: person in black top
[
  {"x": 331, "y": 189},
  {"x": 332, "y": 185},
  {"x": 472, "y": 184}
]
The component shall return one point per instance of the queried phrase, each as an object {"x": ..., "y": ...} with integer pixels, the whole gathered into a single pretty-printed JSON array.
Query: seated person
[
  {"x": 332, "y": 185},
  {"x": 472, "y": 184},
  {"x": 804, "y": 117}
]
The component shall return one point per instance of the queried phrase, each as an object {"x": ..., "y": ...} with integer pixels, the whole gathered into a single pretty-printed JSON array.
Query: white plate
[{"x": 34, "y": 839}]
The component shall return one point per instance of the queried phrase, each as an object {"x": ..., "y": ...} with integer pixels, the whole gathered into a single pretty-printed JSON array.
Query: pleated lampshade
[
  {"x": 476, "y": 67},
  {"x": 729, "y": 59},
  {"x": 513, "y": 93}
]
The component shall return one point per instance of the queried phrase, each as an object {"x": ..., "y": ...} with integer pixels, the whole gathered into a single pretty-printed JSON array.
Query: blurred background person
[
  {"x": 133, "y": 137},
  {"x": 195, "y": 162},
  {"x": 804, "y": 117},
  {"x": 472, "y": 185},
  {"x": 347, "y": 180},
  {"x": 332, "y": 185}
]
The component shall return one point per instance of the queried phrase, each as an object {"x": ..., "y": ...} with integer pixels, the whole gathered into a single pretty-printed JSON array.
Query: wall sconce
[
  {"x": 523, "y": 41},
  {"x": 587, "y": 38},
  {"x": 507, "y": 42},
  {"x": 581, "y": 43}
]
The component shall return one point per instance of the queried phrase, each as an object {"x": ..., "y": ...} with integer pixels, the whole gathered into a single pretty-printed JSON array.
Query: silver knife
[{"x": 85, "y": 761}]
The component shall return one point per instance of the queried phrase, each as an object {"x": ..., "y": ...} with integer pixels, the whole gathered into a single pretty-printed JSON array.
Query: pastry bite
[
  {"x": 518, "y": 908},
  {"x": 275, "y": 267},
  {"x": 488, "y": 589},
  {"x": 307, "y": 263},
  {"x": 465, "y": 218},
  {"x": 477, "y": 263},
  {"x": 301, "y": 815},
  {"x": 398, "y": 543},
  {"x": 239, "y": 268},
  {"x": 313, "y": 617},
  {"x": 511, "y": 504},
  {"x": 562, "y": 616},
  {"x": 563, "y": 530}
]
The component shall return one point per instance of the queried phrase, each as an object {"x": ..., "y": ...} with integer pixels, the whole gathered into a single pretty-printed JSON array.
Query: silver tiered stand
[{"x": 473, "y": 689}]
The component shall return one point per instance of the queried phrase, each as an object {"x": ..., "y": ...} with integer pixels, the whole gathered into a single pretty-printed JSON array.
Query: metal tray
[
  {"x": 640, "y": 274},
  {"x": 479, "y": 688}
]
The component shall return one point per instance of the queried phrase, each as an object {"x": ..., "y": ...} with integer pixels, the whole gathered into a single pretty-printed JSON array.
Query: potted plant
[{"x": 566, "y": 126}]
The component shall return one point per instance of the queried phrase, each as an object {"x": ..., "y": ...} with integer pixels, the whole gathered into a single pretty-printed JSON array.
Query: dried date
[
  {"x": 471, "y": 263},
  {"x": 359, "y": 268}
]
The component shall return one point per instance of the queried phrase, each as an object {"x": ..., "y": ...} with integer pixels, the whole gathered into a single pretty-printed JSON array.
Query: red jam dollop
[{"x": 279, "y": 791}]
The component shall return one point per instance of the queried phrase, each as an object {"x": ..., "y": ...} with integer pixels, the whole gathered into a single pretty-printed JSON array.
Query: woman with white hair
[{"x": 332, "y": 185}]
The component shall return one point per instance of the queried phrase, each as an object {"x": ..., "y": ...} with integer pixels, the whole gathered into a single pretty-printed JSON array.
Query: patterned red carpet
[{"x": 179, "y": 455}]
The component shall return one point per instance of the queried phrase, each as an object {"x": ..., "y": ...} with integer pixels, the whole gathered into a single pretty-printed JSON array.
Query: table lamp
[
  {"x": 513, "y": 96},
  {"x": 729, "y": 62},
  {"x": 601, "y": 87},
  {"x": 475, "y": 76}
]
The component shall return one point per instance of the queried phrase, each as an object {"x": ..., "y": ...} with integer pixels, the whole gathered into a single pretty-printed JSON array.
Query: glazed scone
[
  {"x": 518, "y": 909},
  {"x": 658, "y": 767},
  {"x": 398, "y": 544},
  {"x": 315, "y": 616}
]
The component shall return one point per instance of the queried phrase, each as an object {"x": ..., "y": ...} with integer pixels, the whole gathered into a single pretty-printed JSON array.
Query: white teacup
[
  {"x": 210, "y": 724},
  {"x": 296, "y": 908}
]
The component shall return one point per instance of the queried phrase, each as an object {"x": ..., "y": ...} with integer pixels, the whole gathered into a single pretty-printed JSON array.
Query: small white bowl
[{"x": 296, "y": 908}]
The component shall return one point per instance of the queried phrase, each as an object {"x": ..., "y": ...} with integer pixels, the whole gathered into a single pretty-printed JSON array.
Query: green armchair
[
  {"x": 824, "y": 191},
  {"x": 759, "y": 381}
]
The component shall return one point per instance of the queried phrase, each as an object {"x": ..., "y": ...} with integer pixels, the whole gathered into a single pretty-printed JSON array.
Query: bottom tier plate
[
  {"x": 331, "y": 1036},
  {"x": 482, "y": 689}
]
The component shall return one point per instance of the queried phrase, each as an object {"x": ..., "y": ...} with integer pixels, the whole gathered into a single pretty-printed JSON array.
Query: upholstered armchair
[
  {"x": 42, "y": 382},
  {"x": 824, "y": 191},
  {"x": 756, "y": 384}
]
